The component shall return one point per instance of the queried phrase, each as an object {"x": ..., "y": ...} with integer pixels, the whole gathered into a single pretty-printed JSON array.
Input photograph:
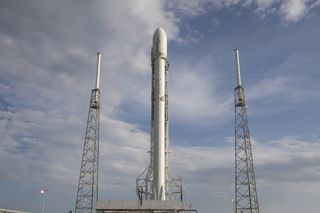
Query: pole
[
  {"x": 43, "y": 192},
  {"x": 98, "y": 70},
  {"x": 233, "y": 205},
  {"x": 238, "y": 67}
]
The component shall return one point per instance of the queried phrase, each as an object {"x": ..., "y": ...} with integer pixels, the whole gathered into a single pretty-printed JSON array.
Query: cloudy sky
[{"x": 47, "y": 70}]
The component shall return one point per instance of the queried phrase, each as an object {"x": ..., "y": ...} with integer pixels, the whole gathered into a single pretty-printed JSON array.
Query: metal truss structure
[
  {"x": 246, "y": 199},
  {"x": 144, "y": 187},
  {"x": 87, "y": 194}
]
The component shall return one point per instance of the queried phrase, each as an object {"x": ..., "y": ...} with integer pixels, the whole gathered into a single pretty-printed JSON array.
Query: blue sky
[{"x": 47, "y": 67}]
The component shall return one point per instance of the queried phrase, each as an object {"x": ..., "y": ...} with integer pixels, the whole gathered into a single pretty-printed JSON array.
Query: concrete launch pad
[{"x": 144, "y": 206}]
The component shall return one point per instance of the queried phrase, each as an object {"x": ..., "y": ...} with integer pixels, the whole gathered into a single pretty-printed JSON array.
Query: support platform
[{"x": 144, "y": 206}]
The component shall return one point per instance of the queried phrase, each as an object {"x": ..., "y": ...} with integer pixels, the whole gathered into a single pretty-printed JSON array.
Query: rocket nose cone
[
  {"x": 160, "y": 34},
  {"x": 159, "y": 46},
  {"x": 159, "y": 31}
]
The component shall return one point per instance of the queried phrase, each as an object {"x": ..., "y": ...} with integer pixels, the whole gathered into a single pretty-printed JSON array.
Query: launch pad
[{"x": 144, "y": 206}]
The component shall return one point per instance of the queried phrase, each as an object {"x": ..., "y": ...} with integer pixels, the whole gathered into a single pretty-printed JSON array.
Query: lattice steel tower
[
  {"x": 246, "y": 199},
  {"x": 87, "y": 193}
]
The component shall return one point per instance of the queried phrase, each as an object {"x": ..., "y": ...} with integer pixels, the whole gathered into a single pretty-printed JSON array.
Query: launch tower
[
  {"x": 87, "y": 194},
  {"x": 246, "y": 199}
]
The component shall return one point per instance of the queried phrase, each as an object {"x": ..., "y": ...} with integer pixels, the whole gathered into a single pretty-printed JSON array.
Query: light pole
[
  {"x": 233, "y": 206},
  {"x": 43, "y": 192}
]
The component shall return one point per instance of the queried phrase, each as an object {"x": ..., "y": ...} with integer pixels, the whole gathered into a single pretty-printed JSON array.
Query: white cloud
[
  {"x": 265, "y": 4},
  {"x": 194, "y": 97},
  {"x": 267, "y": 88},
  {"x": 293, "y": 10},
  {"x": 290, "y": 11},
  {"x": 288, "y": 154},
  {"x": 192, "y": 7}
]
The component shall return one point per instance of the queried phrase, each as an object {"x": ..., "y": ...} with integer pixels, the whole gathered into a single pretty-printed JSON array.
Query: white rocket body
[{"x": 159, "y": 122}]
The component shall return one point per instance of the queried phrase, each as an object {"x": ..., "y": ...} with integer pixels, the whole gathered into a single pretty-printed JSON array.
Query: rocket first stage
[
  {"x": 155, "y": 183},
  {"x": 159, "y": 119}
]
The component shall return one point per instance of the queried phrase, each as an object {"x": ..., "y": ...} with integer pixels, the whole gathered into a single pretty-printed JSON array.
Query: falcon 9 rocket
[
  {"x": 155, "y": 183},
  {"x": 159, "y": 126}
]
